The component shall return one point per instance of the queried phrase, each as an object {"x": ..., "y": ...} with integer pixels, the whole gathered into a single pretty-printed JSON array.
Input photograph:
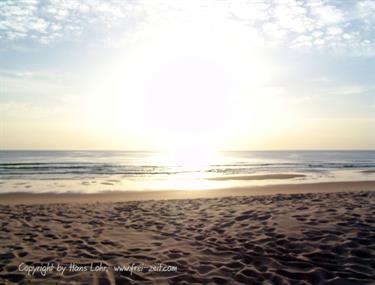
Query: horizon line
[{"x": 238, "y": 150}]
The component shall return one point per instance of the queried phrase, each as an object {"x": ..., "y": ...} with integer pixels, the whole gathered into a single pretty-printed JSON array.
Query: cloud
[
  {"x": 46, "y": 21},
  {"x": 347, "y": 90},
  {"x": 33, "y": 85},
  {"x": 338, "y": 26},
  {"x": 325, "y": 14},
  {"x": 366, "y": 11}
]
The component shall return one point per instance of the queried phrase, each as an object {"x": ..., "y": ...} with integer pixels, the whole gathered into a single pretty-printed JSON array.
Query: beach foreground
[{"x": 311, "y": 238}]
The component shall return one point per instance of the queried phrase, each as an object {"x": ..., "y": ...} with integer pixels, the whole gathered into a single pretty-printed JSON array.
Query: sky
[{"x": 216, "y": 74}]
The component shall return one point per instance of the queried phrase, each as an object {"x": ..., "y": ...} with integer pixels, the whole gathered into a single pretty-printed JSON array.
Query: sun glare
[{"x": 185, "y": 88}]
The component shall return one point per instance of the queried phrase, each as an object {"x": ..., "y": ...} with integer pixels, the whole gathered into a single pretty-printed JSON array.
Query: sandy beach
[
  {"x": 306, "y": 234},
  {"x": 187, "y": 142}
]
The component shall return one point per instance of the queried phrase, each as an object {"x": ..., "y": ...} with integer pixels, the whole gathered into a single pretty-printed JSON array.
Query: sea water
[{"x": 95, "y": 171}]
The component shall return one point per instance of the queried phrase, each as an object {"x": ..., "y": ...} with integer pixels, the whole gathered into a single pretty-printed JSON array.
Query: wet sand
[
  {"x": 119, "y": 196},
  {"x": 259, "y": 177},
  {"x": 302, "y": 238}
]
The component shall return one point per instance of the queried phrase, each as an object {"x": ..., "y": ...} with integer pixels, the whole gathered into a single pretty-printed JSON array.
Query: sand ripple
[{"x": 321, "y": 238}]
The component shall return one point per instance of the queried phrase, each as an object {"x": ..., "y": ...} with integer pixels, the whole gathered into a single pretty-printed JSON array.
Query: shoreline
[
  {"x": 258, "y": 177},
  {"x": 121, "y": 196}
]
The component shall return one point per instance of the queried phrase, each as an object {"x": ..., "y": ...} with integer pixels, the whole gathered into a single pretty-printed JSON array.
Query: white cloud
[
  {"x": 303, "y": 41},
  {"x": 366, "y": 10},
  {"x": 257, "y": 12},
  {"x": 300, "y": 24},
  {"x": 274, "y": 31},
  {"x": 292, "y": 16},
  {"x": 347, "y": 90},
  {"x": 325, "y": 14},
  {"x": 334, "y": 30}
]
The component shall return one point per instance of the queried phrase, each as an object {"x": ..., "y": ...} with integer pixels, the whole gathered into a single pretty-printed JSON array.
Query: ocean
[{"x": 95, "y": 171}]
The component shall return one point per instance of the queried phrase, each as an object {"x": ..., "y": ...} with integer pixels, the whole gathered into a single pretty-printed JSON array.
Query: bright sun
[{"x": 185, "y": 88}]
